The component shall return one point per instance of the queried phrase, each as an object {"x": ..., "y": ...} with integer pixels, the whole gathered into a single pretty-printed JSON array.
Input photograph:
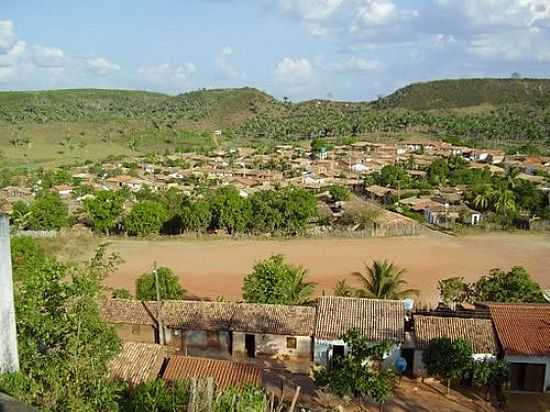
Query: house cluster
[{"x": 191, "y": 338}]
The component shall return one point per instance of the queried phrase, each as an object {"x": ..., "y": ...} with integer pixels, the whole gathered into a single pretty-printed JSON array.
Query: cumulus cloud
[
  {"x": 13, "y": 55},
  {"x": 294, "y": 70},
  {"x": 311, "y": 9},
  {"x": 102, "y": 66},
  {"x": 228, "y": 69},
  {"x": 7, "y": 34},
  {"x": 377, "y": 11},
  {"x": 168, "y": 77},
  {"x": 48, "y": 56}
]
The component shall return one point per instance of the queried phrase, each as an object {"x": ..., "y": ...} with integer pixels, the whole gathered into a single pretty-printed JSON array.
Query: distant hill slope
[
  {"x": 449, "y": 94},
  {"x": 221, "y": 106}
]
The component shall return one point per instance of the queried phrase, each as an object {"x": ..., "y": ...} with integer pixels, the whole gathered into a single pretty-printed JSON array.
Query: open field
[{"x": 212, "y": 268}]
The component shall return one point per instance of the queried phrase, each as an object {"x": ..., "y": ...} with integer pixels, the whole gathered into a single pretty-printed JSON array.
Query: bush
[
  {"x": 147, "y": 217},
  {"x": 169, "y": 286},
  {"x": 339, "y": 193},
  {"x": 48, "y": 212}
]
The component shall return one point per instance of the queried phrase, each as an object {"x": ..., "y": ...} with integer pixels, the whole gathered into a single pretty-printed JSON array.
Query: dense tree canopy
[
  {"x": 48, "y": 212},
  {"x": 169, "y": 285},
  {"x": 104, "y": 210},
  {"x": 275, "y": 281},
  {"x": 146, "y": 218}
]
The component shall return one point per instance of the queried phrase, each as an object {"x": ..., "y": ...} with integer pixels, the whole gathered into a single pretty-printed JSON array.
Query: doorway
[
  {"x": 527, "y": 377},
  {"x": 338, "y": 351},
  {"x": 250, "y": 345}
]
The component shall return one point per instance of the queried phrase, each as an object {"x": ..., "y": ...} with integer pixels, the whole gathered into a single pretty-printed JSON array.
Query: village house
[
  {"x": 138, "y": 363},
  {"x": 523, "y": 331},
  {"x": 478, "y": 332},
  {"x": 445, "y": 215},
  {"x": 377, "y": 320},
  {"x": 14, "y": 193},
  {"x": 274, "y": 335},
  {"x": 380, "y": 194}
]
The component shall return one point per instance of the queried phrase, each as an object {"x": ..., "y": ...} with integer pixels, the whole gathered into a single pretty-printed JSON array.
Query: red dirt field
[{"x": 212, "y": 268}]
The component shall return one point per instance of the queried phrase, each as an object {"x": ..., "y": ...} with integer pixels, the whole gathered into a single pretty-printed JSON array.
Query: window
[{"x": 291, "y": 343}]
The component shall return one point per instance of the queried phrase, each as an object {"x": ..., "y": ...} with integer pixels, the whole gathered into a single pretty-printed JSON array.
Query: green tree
[
  {"x": 169, "y": 285},
  {"x": 158, "y": 396},
  {"x": 229, "y": 210},
  {"x": 514, "y": 286},
  {"x": 64, "y": 346},
  {"x": 505, "y": 203},
  {"x": 454, "y": 290},
  {"x": 343, "y": 289},
  {"x": 20, "y": 215},
  {"x": 275, "y": 281},
  {"x": 339, "y": 193},
  {"x": 121, "y": 293},
  {"x": 448, "y": 359},
  {"x": 438, "y": 172},
  {"x": 196, "y": 216},
  {"x": 383, "y": 280},
  {"x": 355, "y": 374},
  {"x": 147, "y": 217},
  {"x": 48, "y": 212},
  {"x": 483, "y": 197},
  {"x": 104, "y": 210},
  {"x": 490, "y": 373}
]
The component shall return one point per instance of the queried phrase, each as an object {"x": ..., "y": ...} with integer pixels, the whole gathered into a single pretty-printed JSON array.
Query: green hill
[{"x": 450, "y": 94}]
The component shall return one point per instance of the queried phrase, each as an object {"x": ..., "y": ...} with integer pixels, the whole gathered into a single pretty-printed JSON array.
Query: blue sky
[{"x": 343, "y": 49}]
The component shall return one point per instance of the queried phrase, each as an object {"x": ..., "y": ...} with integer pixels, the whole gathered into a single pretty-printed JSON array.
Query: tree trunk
[{"x": 448, "y": 387}]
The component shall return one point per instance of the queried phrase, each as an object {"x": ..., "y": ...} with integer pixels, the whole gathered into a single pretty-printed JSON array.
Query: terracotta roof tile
[
  {"x": 225, "y": 373},
  {"x": 478, "y": 332},
  {"x": 274, "y": 319},
  {"x": 377, "y": 319},
  {"x": 522, "y": 329},
  {"x": 138, "y": 363},
  {"x": 126, "y": 311}
]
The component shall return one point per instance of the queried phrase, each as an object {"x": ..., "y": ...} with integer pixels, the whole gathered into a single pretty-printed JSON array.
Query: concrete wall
[
  {"x": 533, "y": 359},
  {"x": 9, "y": 358},
  {"x": 274, "y": 346},
  {"x": 136, "y": 333},
  {"x": 323, "y": 352}
]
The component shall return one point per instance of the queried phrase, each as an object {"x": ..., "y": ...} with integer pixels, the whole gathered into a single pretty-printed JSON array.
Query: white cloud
[
  {"x": 167, "y": 76},
  {"x": 7, "y": 34},
  {"x": 377, "y": 11},
  {"x": 311, "y": 9},
  {"x": 227, "y": 51},
  {"x": 48, "y": 56},
  {"x": 13, "y": 55},
  {"x": 228, "y": 69},
  {"x": 294, "y": 70},
  {"x": 102, "y": 66}
]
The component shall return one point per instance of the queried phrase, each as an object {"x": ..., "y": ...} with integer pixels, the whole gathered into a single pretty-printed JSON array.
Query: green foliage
[
  {"x": 64, "y": 346},
  {"x": 48, "y": 212},
  {"x": 104, "y": 210},
  {"x": 343, "y": 289},
  {"x": 121, "y": 293},
  {"x": 355, "y": 375},
  {"x": 247, "y": 399},
  {"x": 229, "y": 210},
  {"x": 158, "y": 396},
  {"x": 490, "y": 372},
  {"x": 383, "y": 280},
  {"x": 454, "y": 290},
  {"x": 145, "y": 218},
  {"x": 169, "y": 286},
  {"x": 275, "y": 281},
  {"x": 448, "y": 359},
  {"x": 339, "y": 193},
  {"x": 196, "y": 216},
  {"x": 514, "y": 286}
]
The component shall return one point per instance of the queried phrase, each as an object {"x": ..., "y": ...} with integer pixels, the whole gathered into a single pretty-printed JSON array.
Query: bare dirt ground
[{"x": 212, "y": 268}]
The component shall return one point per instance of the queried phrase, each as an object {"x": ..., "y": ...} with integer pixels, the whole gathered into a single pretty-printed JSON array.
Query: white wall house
[{"x": 338, "y": 315}]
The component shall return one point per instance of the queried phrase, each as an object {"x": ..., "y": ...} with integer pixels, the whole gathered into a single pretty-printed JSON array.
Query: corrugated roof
[
  {"x": 138, "y": 363},
  {"x": 274, "y": 319},
  {"x": 126, "y": 311},
  {"x": 225, "y": 373},
  {"x": 522, "y": 329},
  {"x": 478, "y": 332},
  {"x": 376, "y": 319}
]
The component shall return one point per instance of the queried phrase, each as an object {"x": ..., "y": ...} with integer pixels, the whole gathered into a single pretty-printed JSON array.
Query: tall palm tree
[
  {"x": 484, "y": 197},
  {"x": 383, "y": 280},
  {"x": 505, "y": 202},
  {"x": 300, "y": 290}
]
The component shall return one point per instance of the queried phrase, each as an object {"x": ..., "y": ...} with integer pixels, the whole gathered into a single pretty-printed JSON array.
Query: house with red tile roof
[{"x": 523, "y": 331}]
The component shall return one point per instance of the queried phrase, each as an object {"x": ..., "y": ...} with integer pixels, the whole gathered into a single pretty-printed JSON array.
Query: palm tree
[
  {"x": 505, "y": 202},
  {"x": 383, "y": 280},
  {"x": 300, "y": 290},
  {"x": 484, "y": 197}
]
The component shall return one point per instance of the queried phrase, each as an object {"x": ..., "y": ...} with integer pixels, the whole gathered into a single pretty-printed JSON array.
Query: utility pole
[
  {"x": 9, "y": 358},
  {"x": 162, "y": 332}
]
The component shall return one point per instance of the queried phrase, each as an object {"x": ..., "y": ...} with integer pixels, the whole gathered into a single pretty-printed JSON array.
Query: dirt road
[{"x": 212, "y": 268}]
